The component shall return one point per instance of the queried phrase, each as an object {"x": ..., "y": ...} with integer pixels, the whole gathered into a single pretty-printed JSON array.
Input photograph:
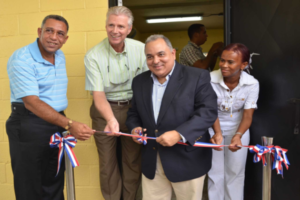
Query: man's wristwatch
[{"x": 69, "y": 125}]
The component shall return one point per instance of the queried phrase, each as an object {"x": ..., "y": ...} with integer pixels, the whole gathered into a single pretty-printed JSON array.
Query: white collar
[{"x": 245, "y": 79}]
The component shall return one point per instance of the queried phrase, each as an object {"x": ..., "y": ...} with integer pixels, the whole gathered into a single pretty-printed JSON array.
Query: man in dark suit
[{"x": 172, "y": 102}]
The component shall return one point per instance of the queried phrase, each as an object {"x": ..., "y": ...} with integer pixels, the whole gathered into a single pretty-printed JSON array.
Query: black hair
[
  {"x": 56, "y": 17},
  {"x": 194, "y": 28}
]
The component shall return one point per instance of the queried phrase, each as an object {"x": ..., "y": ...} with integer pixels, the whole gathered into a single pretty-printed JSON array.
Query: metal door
[{"x": 272, "y": 28}]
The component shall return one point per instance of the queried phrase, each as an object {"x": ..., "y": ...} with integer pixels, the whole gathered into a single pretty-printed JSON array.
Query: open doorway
[{"x": 211, "y": 12}]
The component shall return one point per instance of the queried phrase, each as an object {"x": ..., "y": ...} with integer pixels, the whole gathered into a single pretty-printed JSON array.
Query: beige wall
[{"x": 19, "y": 20}]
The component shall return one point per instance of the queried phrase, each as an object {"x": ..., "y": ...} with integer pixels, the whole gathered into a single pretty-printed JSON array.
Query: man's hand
[
  {"x": 112, "y": 126},
  {"x": 136, "y": 131},
  {"x": 81, "y": 131},
  {"x": 217, "y": 139},
  {"x": 218, "y": 46},
  {"x": 169, "y": 139},
  {"x": 235, "y": 141}
]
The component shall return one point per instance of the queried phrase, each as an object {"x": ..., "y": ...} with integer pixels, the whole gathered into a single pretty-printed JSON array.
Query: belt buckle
[{"x": 119, "y": 102}]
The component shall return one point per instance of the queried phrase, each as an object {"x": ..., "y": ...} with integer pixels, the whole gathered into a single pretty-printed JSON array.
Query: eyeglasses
[{"x": 121, "y": 75}]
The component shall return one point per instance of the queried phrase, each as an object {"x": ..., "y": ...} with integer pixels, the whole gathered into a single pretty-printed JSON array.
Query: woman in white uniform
[{"x": 237, "y": 93}]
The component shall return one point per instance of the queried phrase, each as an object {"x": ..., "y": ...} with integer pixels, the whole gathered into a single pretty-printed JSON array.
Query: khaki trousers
[
  {"x": 111, "y": 182},
  {"x": 160, "y": 188}
]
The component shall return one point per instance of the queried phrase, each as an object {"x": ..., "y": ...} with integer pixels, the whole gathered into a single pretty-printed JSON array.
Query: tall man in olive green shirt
[{"x": 110, "y": 67}]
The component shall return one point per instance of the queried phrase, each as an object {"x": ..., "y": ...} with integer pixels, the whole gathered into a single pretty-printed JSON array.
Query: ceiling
[{"x": 143, "y": 10}]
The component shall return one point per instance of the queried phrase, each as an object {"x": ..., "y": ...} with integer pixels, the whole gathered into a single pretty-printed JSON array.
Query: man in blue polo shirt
[{"x": 38, "y": 83}]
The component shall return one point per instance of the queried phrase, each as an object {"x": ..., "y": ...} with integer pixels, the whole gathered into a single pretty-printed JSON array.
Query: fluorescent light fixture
[{"x": 174, "y": 19}]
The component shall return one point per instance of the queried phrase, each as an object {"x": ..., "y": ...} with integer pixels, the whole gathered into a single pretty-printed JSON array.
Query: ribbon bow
[
  {"x": 64, "y": 143},
  {"x": 260, "y": 153},
  {"x": 278, "y": 156},
  {"x": 250, "y": 61},
  {"x": 142, "y": 139}
]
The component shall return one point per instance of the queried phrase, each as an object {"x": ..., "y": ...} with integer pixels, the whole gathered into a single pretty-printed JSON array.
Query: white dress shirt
[{"x": 231, "y": 104}]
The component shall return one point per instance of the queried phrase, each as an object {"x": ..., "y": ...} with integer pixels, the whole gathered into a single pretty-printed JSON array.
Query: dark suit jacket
[{"x": 189, "y": 106}]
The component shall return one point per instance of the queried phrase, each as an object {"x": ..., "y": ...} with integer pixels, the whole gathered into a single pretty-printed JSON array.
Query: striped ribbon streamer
[
  {"x": 142, "y": 140},
  {"x": 278, "y": 154},
  {"x": 64, "y": 144},
  {"x": 279, "y": 158},
  {"x": 260, "y": 152}
]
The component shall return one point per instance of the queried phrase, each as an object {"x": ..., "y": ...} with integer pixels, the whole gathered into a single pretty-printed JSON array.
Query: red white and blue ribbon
[
  {"x": 279, "y": 158},
  {"x": 64, "y": 144},
  {"x": 278, "y": 154},
  {"x": 260, "y": 153},
  {"x": 142, "y": 140}
]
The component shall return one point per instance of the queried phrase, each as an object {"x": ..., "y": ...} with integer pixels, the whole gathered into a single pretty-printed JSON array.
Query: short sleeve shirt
[
  {"x": 30, "y": 74},
  {"x": 231, "y": 104},
  {"x": 190, "y": 54},
  {"x": 112, "y": 72}
]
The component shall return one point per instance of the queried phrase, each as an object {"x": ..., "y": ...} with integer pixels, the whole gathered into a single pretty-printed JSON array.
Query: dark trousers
[{"x": 33, "y": 162}]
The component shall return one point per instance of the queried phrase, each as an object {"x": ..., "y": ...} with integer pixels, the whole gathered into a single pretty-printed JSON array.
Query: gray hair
[
  {"x": 154, "y": 37},
  {"x": 120, "y": 10}
]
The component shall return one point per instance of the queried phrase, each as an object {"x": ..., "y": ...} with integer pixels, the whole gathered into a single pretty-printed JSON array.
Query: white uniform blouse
[{"x": 231, "y": 104}]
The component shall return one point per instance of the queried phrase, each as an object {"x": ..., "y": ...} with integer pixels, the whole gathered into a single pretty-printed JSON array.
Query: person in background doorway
[
  {"x": 192, "y": 55},
  {"x": 110, "y": 67},
  {"x": 237, "y": 93}
]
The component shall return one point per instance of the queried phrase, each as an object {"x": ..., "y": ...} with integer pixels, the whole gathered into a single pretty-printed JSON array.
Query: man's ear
[
  {"x": 174, "y": 53},
  {"x": 66, "y": 39},
  {"x": 129, "y": 30},
  {"x": 39, "y": 32}
]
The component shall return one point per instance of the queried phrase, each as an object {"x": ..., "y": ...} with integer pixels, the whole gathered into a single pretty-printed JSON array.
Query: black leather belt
[
  {"x": 21, "y": 109},
  {"x": 121, "y": 103}
]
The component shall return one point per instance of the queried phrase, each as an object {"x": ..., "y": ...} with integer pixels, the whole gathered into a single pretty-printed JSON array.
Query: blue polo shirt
[{"x": 30, "y": 74}]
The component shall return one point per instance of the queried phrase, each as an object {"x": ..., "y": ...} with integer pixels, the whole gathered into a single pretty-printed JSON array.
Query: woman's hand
[
  {"x": 235, "y": 142},
  {"x": 217, "y": 139}
]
